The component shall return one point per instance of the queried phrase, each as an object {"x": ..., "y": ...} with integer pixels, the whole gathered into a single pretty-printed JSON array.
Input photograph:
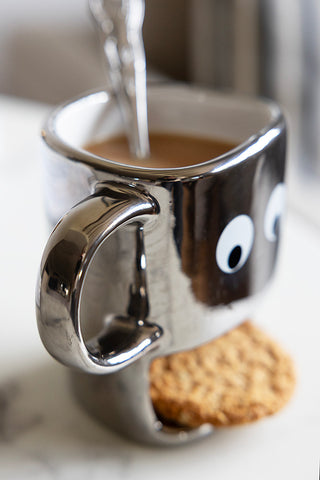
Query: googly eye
[
  {"x": 235, "y": 244},
  {"x": 274, "y": 210}
]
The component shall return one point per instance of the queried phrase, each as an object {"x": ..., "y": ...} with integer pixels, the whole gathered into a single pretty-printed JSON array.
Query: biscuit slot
[{"x": 235, "y": 379}]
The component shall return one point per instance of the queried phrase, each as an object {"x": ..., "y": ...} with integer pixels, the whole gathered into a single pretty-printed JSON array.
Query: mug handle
[{"x": 64, "y": 265}]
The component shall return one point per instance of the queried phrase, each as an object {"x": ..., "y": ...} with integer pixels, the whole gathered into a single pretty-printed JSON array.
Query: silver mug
[{"x": 144, "y": 262}]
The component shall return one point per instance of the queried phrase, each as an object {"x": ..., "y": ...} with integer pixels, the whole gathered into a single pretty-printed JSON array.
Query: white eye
[
  {"x": 235, "y": 244},
  {"x": 274, "y": 211}
]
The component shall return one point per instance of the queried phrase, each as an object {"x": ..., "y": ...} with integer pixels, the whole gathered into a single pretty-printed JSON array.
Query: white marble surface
[{"x": 44, "y": 434}]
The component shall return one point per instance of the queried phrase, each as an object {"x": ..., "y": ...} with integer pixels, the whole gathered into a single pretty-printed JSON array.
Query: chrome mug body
[{"x": 145, "y": 262}]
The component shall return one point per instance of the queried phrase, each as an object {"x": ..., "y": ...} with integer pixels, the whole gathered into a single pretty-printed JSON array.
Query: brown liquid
[{"x": 167, "y": 150}]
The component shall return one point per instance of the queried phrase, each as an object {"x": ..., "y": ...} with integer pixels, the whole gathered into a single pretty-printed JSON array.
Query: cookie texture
[{"x": 235, "y": 379}]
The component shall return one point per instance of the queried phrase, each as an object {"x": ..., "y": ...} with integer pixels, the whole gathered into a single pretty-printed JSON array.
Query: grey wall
[{"x": 47, "y": 49}]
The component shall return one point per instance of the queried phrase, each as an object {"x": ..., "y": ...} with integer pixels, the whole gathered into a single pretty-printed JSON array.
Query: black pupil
[{"x": 234, "y": 257}]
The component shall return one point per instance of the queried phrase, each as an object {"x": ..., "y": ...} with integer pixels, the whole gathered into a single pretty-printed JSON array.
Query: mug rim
[{"x": 249, "y": 147}]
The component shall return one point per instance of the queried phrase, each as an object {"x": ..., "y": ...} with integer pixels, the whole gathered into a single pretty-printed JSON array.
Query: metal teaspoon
[{"x": 120, "y": 27}]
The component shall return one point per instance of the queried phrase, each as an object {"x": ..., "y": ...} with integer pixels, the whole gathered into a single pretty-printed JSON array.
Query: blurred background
[{"x": 49, "y": 52}]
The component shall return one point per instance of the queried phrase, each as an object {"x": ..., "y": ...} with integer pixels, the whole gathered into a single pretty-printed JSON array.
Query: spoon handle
[{"x": 120, "y": 28}]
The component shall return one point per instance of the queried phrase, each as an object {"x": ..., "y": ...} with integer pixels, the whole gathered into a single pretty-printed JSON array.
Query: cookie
[{"x": 235, "y": 379}]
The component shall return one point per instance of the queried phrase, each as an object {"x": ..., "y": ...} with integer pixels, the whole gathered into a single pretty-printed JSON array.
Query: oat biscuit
[{"x": 235, "y": 379}]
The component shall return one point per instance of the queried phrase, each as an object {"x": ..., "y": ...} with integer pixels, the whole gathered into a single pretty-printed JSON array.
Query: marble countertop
[{"x": 44, "y": 434}]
